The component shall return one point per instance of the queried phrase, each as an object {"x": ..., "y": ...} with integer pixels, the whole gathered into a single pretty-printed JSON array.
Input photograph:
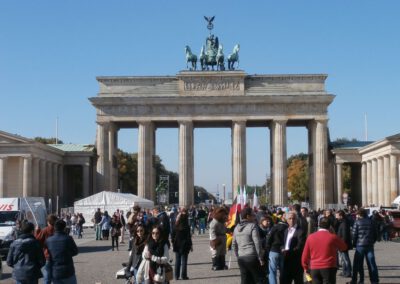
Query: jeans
[
  {"x": 33, "y": 281},
  {"x": 192, "y": 224},
  {"x": 368, "y": 253},
  {"x": 324, "y": 276},
  {"x": 346, "y": 263},
  {"x": 202, "y": 225},
  {"x": 114, "y": 239},
  {"x": 98, "y": 231},
  {"x": 69, "y": 280},
  {"x": 275, "y": 263},
  {"x": 46, "y": 271},
  {"x": 181, "y": 262},
  {"x": 250, "y": 270}
]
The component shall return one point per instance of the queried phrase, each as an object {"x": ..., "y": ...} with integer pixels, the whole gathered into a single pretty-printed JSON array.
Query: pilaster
[
  {"x": 380, "y": 182},
  {"x": 339, "y": 182},
  {"x": 394, "y": 177},
  {"x": 364, "y": 188},
  {"x": 3, "y": 176},
  {"x": 369, "y": 184},
  {"x": 386, "y": 181},
  {"x": 374, "y": 181}
]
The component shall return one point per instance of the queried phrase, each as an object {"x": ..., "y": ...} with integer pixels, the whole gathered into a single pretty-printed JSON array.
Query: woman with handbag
[
  {"x": 182, "y": 244},
  {"x": 155, "y": 257},
  {"x": 115, "y": 231}
]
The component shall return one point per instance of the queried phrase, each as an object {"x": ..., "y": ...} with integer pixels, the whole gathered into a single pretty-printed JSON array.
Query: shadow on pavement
[
  {"x": 219, "y": 276},
  {"x": 89, "y": 249},
  {"x": 388, "y": 267}
]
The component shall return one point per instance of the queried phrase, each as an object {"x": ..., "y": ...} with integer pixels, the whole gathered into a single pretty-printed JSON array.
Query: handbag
[{"x": 169, "y": 272}]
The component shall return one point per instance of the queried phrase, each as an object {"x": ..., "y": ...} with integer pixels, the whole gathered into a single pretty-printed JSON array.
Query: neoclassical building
[
  {"x": 374, "y": 170},
  {"x": 30, "y": 168}
]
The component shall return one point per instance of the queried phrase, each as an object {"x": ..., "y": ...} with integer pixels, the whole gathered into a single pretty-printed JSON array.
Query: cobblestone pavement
[{"x": 96, "y": 263}]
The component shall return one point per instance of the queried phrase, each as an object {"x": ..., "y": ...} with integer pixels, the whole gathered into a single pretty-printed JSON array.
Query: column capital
[
  {"x": 185, "y": 122},
  {"x": 144, "y": 122}
]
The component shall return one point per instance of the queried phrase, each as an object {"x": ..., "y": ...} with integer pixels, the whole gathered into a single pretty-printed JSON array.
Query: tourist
[
  {"x": 138, "y": 244},
  {"x": 182, "y": 244},
  {"x": 132, "y": 222},
  {"x": 161, "y": 220},
  {"x": 123, "y": 224},
  {"x": 320, "y": 254},
  {"x": 247, "y": 247},
  {"x": 201, "y": 220},
  {"x": 343, "y": 232},
  {"x": 218, "y": 239},
  {"x": 294, "y": 241},
  {"x": 62, "y": 248},
  {"x": 115, "y": 231},
  {"x": 105, "y": 225},
  {"x": 42, "y": 235},
  {"x": 192, "y": 218},
  {"x": 97, "y": 220},
  {"x": 364, "y": 238},
  {"x": 79, "y": 225},
  {"x": 274, "y": 244},
  {"x": 311, "y": 224},
  {"x": 155, "y": 256},
  {"x": 26, "y": 256}
]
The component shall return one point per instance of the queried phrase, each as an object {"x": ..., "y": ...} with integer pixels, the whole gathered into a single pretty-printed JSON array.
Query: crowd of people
[{"x": 272, "y": 245}]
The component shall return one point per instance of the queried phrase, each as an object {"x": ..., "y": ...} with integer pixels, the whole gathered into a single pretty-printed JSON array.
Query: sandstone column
[
  {"x": 186, "y": 163},
  {"x": 320, "y": 163},
  {"x": 386, "y": 181},
  {"x": 311, "y": 143},
  {"x": 86, "y": 179},
  {"x": 103, "y": 164},
  {"x": 145, "y": 160},
  {"x": 364, "y": 188},
  {"x": 42, "y": 181},
  {"x": 375, "y": 199},
  {"x": 3, "y": 176},
  {"x": 279, "y": 169},
  {"x": 369, "y": 184},
  {"x": 55, "y": 181},
  {"x": 238, "y": 155},
  {"x": 49, "y": 182},
  {"x": 60, "y": 172},
  {"x": 112, "y": 159},
  {"x": 380, "y": 182},
  {"x": 35, "y": 176},
  {"x": 394, "y": 178},
  {"x": 339, "y": 182},
  {"x": 27, "y": 177}
]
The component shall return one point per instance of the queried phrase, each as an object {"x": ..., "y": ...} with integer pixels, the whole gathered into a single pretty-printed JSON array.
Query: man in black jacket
[
  {"x": 61, "y": 249},
  {"x": 294, "y": 241},
  {"x": 343, "y": 232},
  {"x": 26, "y": 256},
  {"x": 364, "y": 238},
  {"x": 274, "y": 244}
]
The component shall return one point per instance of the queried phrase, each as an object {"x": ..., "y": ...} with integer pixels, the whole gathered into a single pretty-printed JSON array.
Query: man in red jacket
[
  {"x": 42, "y": 235},
  {"x": 320, "y": 254}
]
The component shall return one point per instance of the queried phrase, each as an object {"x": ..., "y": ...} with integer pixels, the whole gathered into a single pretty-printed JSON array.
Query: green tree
[{"x": 44, "y": 140}]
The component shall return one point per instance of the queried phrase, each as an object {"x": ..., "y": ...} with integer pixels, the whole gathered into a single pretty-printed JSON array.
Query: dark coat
[
  {"x": 181, "y": 239},
  {"x": 26, "y": 257},
  {"x": 343, "y": 232},
  {"x": 62, "y": 248},
  {"x": 365, "y": 232},
  {"x": 296, "y": 244},
  {"x": 275, "y": 238}
]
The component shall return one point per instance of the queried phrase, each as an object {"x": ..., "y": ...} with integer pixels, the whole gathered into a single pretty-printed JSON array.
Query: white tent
[
  {"x": 110, "y": 201},
  {"x": 396, "y": 201}
]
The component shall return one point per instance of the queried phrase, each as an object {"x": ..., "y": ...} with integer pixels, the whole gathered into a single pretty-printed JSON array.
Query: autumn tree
[{"x": 298, "y": 177}]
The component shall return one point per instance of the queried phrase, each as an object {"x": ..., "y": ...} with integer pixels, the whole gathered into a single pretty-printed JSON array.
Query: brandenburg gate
[{"x": 204, "y": 98}]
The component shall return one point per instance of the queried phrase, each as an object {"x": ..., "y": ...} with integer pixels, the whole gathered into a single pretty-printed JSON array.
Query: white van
[{"x": 11, "y": 209}]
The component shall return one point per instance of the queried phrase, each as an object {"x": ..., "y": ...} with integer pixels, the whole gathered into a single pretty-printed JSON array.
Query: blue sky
[{"x": 52, "y": 51}]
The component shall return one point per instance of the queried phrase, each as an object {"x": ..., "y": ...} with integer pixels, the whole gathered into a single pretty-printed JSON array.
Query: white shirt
[{"x": 289, "y": 237}]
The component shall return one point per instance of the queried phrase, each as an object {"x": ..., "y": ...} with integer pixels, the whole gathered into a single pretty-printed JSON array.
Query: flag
[
  {"x": 233, "y": 214},
  {"x": 238, "y": 199},
  {"x": 241, "y": 198},
  {"x": 244, "y": 196},
  {"x": 255, "y": 200}
]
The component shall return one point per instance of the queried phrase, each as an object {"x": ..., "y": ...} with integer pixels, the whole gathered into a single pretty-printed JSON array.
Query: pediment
[{"x": 8, "y": 138}]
